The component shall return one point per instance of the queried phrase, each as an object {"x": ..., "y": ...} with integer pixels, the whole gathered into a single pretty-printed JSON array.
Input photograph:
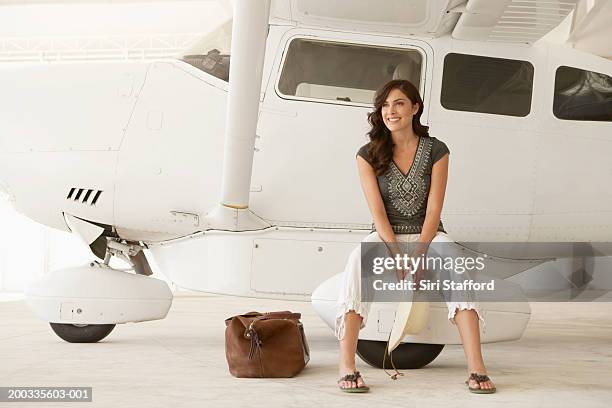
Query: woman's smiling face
[{"x": 397, "y": 111}]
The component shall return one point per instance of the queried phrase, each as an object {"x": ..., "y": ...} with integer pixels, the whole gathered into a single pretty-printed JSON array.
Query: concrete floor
[{"x": 563, "y": 360}]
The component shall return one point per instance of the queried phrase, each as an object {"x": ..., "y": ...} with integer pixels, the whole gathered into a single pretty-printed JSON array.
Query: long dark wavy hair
[{"x": 381, "y": 146}]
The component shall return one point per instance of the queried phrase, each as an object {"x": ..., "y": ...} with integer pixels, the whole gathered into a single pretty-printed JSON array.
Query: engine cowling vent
[{"x": 84, "y": 195}]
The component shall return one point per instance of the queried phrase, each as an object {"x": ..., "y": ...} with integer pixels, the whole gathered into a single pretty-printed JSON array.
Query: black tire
[
  {"x": 88, "y": 333},
  {"x": 405, "y": 356}
]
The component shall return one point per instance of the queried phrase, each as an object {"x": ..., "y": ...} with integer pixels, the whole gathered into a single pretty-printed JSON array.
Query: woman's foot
[
  {"x": 480, "y": 384},
  {"x": 352, "y": 382}
]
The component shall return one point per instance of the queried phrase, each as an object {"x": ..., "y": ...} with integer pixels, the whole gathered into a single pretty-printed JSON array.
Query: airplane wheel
[
  {"x": 405, "y": 356},
  {"x": 82, "y": 333}
]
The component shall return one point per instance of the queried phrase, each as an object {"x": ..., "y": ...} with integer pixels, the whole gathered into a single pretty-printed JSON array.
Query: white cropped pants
[{"x": 349, "y": 297}]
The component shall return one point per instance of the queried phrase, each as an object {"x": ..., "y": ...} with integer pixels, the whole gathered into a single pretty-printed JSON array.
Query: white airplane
[{"x": 241, "y": 179}]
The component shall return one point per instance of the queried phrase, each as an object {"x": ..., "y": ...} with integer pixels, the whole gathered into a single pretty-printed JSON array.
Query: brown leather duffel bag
[{"x": 265, "y": 345}]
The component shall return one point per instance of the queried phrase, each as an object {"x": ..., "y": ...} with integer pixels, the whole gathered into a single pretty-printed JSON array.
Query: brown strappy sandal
[
  {"x": 353, "y": 378},
  {"x": 480, "y": 379}
]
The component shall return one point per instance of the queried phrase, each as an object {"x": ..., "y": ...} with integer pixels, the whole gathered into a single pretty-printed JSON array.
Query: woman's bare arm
[
  {"x": 369, "y": 185},
  {"x": 435, "y": 201}
]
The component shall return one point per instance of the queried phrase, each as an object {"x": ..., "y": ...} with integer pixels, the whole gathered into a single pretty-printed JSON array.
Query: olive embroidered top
[{"x": 405, "y": 196}]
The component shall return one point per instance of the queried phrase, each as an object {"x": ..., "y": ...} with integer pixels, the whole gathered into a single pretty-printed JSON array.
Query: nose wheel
[{"x": 82, "y": 333}]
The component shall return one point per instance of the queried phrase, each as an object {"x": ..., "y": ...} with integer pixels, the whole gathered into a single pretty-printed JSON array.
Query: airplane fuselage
[{"x": 139, "y": 146}]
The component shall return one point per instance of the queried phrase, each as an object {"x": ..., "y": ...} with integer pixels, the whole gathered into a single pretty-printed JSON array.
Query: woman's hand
[
  {"x": 401, "y": 273},
  {"x": 418, "y": 275},
  {"x": 419, "y": 263}
]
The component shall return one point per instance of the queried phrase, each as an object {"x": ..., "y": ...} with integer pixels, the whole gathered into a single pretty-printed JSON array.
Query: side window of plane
[
  {"x": 473, "y": 83},
  {"x": 211, "y": 54},
  {"x": 582, "y": 95},
  {"x": 343, "y": 72}
]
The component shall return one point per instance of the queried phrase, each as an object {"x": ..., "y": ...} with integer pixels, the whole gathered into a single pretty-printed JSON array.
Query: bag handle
[
  {"x": 268, "y": 316},
  {"x": 246, "y": 319}
]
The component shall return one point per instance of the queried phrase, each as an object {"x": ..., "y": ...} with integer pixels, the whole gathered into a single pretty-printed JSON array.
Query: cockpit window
[
  {"x": 211, "y": 54},
  {"x": 582, "y": 95},
  {"x": 474, "y": 83},
  {"x": 342, "y": 72}
]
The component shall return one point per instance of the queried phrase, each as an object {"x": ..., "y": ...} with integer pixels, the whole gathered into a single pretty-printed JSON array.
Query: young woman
[{"x": 400, "y": 149}]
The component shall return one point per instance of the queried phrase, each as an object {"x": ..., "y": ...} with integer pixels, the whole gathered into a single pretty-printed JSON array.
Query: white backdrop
[{"x": 106, "y": 18}]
